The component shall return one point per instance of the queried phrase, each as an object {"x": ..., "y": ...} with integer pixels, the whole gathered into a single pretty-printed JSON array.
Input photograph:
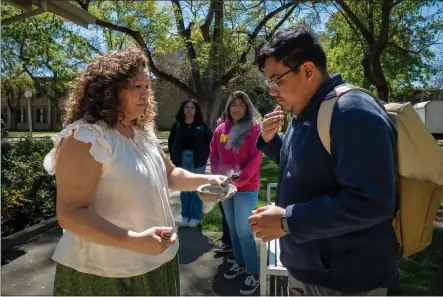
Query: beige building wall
[{"x": 168, "y": 98}]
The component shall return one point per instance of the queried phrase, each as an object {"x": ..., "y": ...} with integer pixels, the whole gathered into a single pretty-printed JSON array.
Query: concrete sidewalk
[{"x": 29, "y": 270}]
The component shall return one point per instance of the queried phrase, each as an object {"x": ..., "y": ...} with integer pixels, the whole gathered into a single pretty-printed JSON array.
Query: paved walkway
[{"x": 29, "y": 270}]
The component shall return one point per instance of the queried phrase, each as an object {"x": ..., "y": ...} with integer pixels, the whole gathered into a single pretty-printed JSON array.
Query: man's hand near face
[{"x": 272, "y": 123}]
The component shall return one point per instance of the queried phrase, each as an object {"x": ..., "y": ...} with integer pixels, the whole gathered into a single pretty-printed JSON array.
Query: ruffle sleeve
[{"x": 84, "y": 132}]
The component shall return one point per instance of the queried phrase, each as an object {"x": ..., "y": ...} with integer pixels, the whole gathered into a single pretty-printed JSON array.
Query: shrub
[{"x": 28, "y": 192}]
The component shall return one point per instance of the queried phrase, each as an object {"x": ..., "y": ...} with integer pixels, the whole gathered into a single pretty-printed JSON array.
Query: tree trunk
[
  {"x": 382, "y": 86},
  {"x": 11, "y": 97},
  {"x": 383, "y": 93},
  {"x": 375, "y": 75},
  {"x": 13, "y": 118},
  {"x": 213, "y": 106},
  {"x": 216, "y": 66}
]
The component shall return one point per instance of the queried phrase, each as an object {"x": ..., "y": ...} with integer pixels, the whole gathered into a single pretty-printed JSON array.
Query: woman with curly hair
[
  {"x": 112, "y": 186},
  {"x": 233, "y": 149},
  {"x": 188, "y": 145}
]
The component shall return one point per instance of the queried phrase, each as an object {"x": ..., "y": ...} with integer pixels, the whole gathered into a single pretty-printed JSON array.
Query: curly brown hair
[{"x": 95, "y": 95}]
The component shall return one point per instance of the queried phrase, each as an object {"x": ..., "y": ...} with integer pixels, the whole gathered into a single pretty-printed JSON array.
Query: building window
[
  {"x": 23, "y": 116},
  {"x": 40, "y": 115},
  {"x": 5, "y": 115}
]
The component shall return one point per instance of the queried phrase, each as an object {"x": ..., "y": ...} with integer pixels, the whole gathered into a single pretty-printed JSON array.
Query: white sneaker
[
  {"x": 184, "y": 222},
  {"x": 193, "y": 223}
]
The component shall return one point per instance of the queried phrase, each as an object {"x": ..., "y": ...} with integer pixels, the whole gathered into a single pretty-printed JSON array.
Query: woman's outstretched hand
[{"x": 216, "y": 180}]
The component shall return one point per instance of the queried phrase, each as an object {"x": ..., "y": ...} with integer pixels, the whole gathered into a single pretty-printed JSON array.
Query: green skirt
[{"x": 163, "y": 281}]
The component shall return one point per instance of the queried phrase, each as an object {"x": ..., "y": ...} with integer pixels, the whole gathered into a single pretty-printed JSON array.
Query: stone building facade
[{"x": 46, "y": 114}]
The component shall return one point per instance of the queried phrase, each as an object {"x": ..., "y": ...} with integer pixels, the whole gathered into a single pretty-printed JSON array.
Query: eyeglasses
[{"x": 274, "y": 84}]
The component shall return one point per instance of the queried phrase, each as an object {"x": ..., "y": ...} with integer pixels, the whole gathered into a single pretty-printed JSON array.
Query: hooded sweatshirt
[{"x": 246, "y": 160}]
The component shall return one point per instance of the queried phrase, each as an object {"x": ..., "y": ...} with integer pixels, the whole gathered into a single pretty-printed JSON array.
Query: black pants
[{"x": 226, "y": 238}]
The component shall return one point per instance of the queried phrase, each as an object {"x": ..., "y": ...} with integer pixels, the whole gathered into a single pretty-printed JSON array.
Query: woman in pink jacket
[{"x": 233, "y": 149}]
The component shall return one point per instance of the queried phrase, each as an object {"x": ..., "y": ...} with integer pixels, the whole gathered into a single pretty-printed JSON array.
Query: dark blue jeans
[
  {"x": 226, "y": 237},
  {"x": 192, "y": 206}
]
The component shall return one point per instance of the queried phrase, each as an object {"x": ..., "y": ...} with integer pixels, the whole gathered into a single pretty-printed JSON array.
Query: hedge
[{"x": 28, "y": 192}]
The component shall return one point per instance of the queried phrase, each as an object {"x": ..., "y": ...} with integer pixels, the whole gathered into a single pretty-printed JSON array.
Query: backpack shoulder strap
[
  {"x": 324, "y": 122},
  {"x": 327, "y": 107}
]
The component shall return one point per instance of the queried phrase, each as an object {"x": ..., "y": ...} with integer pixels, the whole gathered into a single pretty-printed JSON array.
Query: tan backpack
[{"x": 419, "y": 171}]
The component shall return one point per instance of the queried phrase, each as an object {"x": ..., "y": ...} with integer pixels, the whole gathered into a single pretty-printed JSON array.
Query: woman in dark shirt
[{"x": 188, "y": 145}]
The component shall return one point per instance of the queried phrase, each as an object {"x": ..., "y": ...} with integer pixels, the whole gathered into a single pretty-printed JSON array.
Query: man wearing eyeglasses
[{"x": 332, "y": 211}]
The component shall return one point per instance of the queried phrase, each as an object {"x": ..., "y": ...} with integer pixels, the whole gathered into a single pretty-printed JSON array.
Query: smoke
[{"x": 228, "y": 170}]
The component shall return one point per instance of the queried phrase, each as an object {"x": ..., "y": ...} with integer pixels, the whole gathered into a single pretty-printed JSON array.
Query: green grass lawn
[
  {"x": 420, "y": 274},
  {"x": 162, "y": 133},
  {"x": 24, "y": 133}
]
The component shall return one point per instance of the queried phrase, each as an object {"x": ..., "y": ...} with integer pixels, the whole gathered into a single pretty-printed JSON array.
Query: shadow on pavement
[
  {"x": 201, "y": 271},
  {"x": 193, "y": 244},
  {"x": 46, "y": 238},
  {"x": 11, "y": 255}
]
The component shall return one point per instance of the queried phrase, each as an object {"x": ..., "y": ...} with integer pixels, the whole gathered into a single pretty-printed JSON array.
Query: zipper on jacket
[{"x": 281, "y": 171}]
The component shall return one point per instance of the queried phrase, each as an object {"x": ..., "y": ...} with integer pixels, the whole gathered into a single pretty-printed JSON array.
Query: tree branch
[
  {"x": 361, "y": 27},
  {"x": 37, "y": 83},
  {"x": 157, "y": 72},
  {"x": 218, "y": 15},
  {"x": 205, "y": 27},
  {"x": 369, "y": 72},
  {"x": 356, "y": 32},
  {"x": 268, "y": 17},
  {"x": 383, "y": 37},
  {"x": 215, "y": 52},
  {"x": 285, "y": 17},
  {"x": 396, "y": 3},
  {"x": 403, "y": 49},
  {"x": 246, "y": 8},
  {"x": 185, "y": 33},
  {"x": 237, "y": 66},
  {"x": 84, "y": 5},
  {"x": 94, "y": 48},
  {"x": 179, "y": 18},
  {"x": 371, "y": 17},
  {"x": 415, "y": 52}
]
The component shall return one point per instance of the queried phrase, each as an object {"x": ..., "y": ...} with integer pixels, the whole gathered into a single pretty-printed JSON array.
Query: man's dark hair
[
  {"x": 293, "y": 46},
  {"x": 198, "y": 117}
]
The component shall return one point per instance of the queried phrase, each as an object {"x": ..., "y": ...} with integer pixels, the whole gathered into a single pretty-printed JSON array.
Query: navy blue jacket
[{"x": 338, "y": 206}]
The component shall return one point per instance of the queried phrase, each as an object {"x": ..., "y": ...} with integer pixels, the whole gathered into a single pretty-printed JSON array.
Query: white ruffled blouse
[{"x": 132, "y": 193}]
